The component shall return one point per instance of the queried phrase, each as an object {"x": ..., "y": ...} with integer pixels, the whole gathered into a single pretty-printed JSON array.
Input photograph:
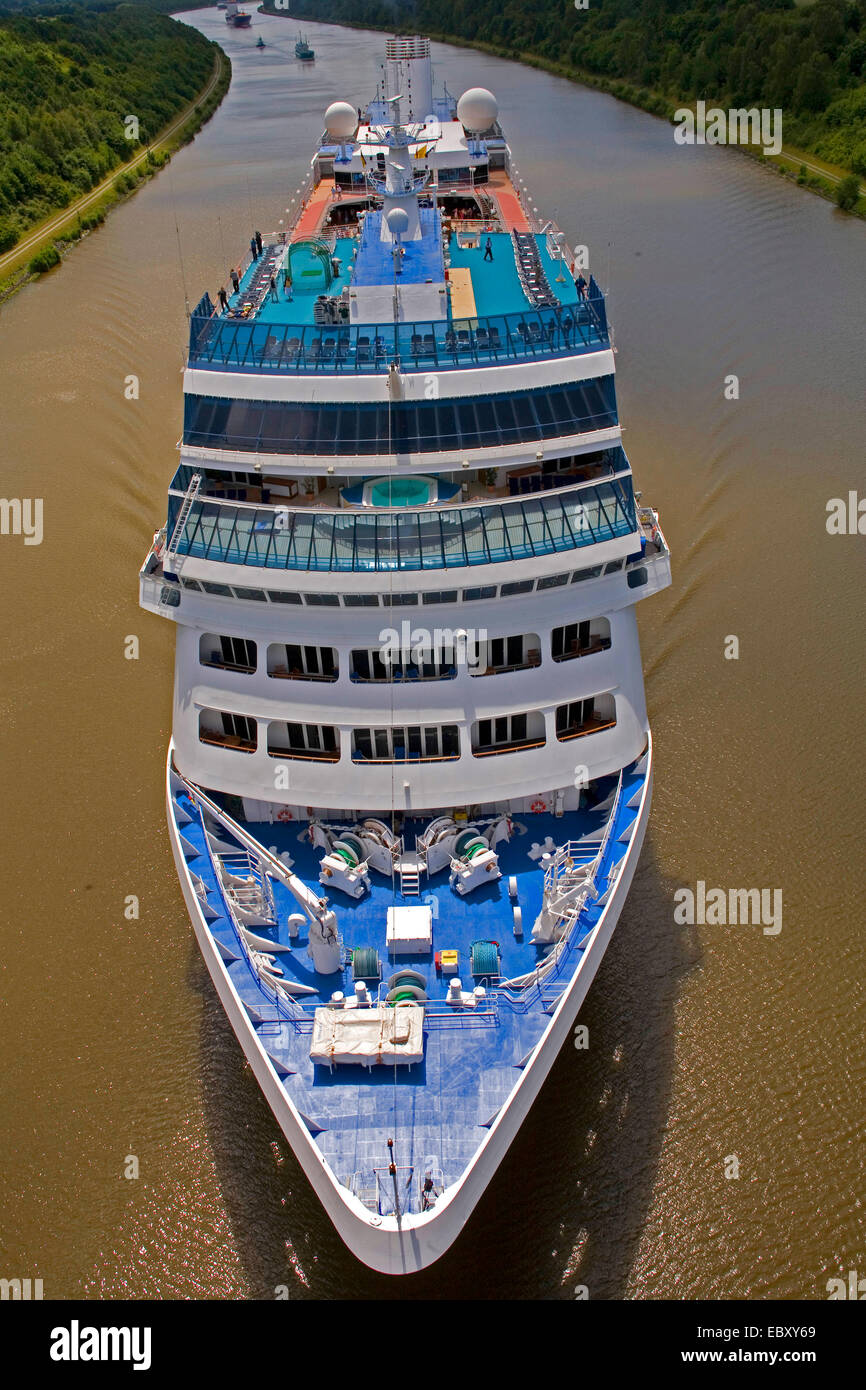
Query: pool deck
[{"x": 479, "y": 288}]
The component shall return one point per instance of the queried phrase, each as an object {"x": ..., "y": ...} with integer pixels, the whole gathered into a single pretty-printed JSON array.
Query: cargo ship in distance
[
  {"x": 237, "y": 18},
  {"x": 411, "y": 765}
]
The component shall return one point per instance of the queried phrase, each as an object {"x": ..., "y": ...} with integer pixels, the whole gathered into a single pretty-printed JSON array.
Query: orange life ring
[
  {"x": 538, "y": 806},
  {"x": 284, "y": 814}
]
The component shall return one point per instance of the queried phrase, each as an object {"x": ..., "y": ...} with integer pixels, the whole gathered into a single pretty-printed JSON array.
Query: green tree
[{"x": 848, "y": 193}]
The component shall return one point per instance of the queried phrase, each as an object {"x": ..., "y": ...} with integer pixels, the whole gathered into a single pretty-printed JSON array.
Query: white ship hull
[{"x": 416, "y": 1241}]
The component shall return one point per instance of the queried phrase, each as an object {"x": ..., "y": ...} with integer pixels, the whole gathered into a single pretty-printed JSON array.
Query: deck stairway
[
  {"x": 409, "y": 871},
  {"x": 173, "y": 561}
]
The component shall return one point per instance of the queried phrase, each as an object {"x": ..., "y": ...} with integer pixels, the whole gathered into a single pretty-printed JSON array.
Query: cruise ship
[{"x": 411, "y": 766}]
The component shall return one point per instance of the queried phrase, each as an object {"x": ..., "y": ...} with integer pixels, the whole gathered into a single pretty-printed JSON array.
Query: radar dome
[
  {"x": 477, "y": 109},
  {"x": 398, "y": 221},
  {"x": 341, "y": 120}
]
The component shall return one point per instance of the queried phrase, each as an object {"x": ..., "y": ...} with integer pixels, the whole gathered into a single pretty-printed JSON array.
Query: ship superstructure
[{"x": 411, "y": 765}]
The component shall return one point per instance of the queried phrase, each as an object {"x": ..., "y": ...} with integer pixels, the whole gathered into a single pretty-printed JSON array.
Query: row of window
[
  {"x": 424, "y": 655},
  {"x": 512, "y": 733},
  {"x": 480, "y": 422},
  {"x": 481, "y": 592}
]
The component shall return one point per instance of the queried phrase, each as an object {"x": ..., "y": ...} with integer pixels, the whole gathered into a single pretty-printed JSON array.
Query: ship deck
[
  {"x": 437, "y": 1110},
  {"x": 483, "y": 915},
  {"x": 495, "y": 284}
]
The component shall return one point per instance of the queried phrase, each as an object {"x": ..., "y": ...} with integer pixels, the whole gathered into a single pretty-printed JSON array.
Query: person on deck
[
  {"x": 287, "y": 286},
  {"x": 581, "y": 286},
  {"x": 254, "y": 250},
  {"x": 259, "y": 242},
  {"x": 223, "y": 298},
  {"x": 488, "y": 250},
  {"x": 274, "y": 295},
  {"x": 236, "y": 281}
]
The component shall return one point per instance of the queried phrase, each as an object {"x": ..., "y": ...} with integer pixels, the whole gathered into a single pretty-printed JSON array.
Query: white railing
[{"x": 299, "y": 890}]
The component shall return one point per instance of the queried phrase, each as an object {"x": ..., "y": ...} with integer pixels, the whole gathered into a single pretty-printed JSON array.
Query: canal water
[{"x": 710, "y": 1140}]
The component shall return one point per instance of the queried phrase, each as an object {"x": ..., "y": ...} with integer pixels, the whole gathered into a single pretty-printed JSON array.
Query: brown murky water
[{"x": 706, "y": 1041}]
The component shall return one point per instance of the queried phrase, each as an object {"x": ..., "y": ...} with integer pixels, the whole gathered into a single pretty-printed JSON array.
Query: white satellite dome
[
  {"x": 341, "y": 120},
  {"x": 398, "y": 221},
  {"x": 477, "y": 109}
]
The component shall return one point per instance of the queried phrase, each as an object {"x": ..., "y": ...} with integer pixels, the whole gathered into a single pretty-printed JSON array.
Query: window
[
  {"x": 361, "y": 600},
  {"x": 586, "y": 574},
  {"x": 227, "y": 653},
  {"x": 585, "y": 717},
  {"x": 288, "y": 427},
  {"x": 580, "y": 639},
  {"x": 295, "y": 662},
  {"x": 443, "y": 596},
  {"x": 415, "y": 663},
  {"x": 322, "y": 600},
  {"x": 255, "y": 594},
  {"x": 522, "y": 586},
  {"x": 500, "y": 654},
  {"x": 224, "y": 730},
  {"x": 483, "y": 592},
  {"x": 553, "y": 581},
  {"x": 508, "y": 733},
  {"x": 278, "y": 596},
  {"x": 307, "y": 742},
  {"x": 412, "y": 743},
  {"x": 222, "y": 589}
]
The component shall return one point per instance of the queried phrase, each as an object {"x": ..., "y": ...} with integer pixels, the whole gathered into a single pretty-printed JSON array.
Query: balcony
[
  {"x": 501, "y": 656},
  {"x": 582, "y": 717},
  {"x": 520, "y": 745},
  {"x": 412, "y": 744},
  {"x": 297, "y": 663},
  {"x": 235, "y": 742},
  {"x": 316, "y": 743},
  {"x": 580, "y": 639},
  {"x": 303, "y": 755},
  {"x": 239, "y": 346},
  {"x": 515, "y": 733},
  {"x": 436, "y": 538}
]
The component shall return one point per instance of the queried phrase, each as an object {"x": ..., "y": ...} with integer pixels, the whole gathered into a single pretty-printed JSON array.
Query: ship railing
[
  {"x": 460, "y": 1019},
  {"x": 563, "y": 330},
  {"x": 553, "y": 970},
  {"x": 303, "y": 895},
  {"x": 467, "y": 535}
]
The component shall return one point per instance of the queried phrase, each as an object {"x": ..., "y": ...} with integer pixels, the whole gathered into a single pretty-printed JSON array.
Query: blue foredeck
[{"x": 438, "y": 1109}]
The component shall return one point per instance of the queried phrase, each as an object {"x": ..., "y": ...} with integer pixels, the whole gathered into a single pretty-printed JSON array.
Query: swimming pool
[{"x": 400, "y": 492}]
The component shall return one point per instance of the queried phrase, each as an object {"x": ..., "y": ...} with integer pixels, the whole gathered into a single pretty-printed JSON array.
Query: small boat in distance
[
  {"x": 303, "y": 50},
  {"x": 260, "y": 43}
]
